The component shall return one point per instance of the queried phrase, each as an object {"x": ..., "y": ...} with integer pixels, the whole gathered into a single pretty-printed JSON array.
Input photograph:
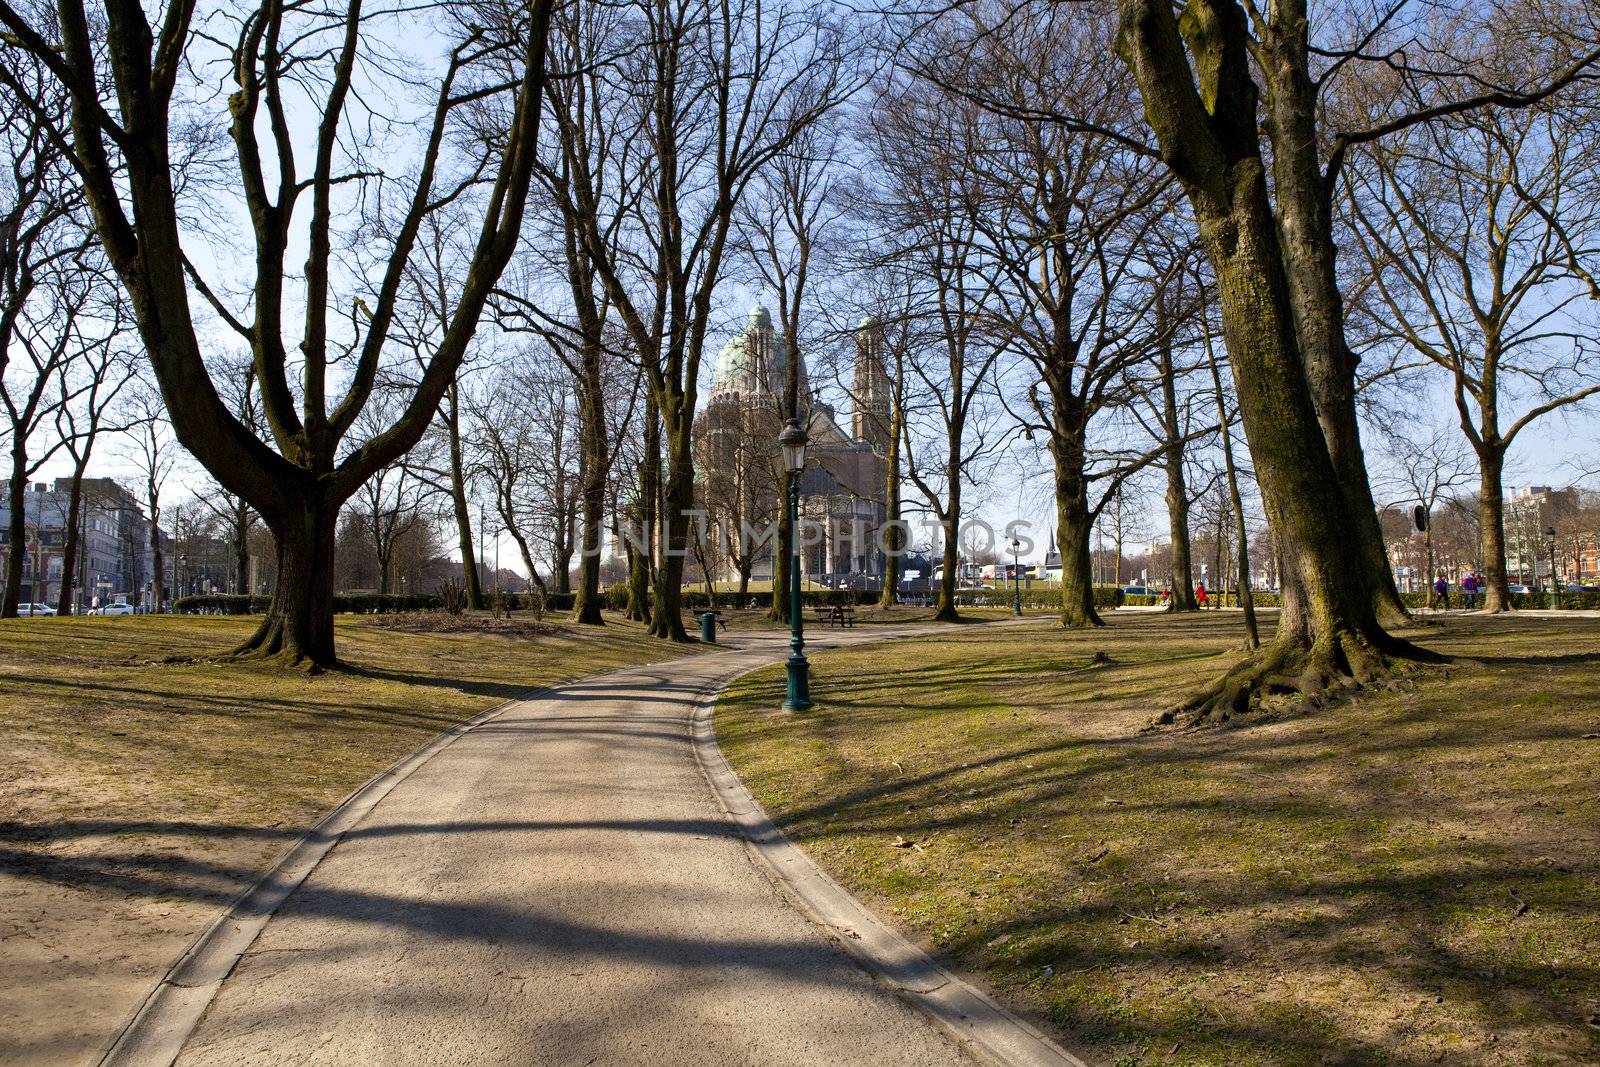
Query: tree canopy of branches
[{"x": 328, "y": 63}]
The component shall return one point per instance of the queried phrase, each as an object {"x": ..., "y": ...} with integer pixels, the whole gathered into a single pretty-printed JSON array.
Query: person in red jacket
[{"x": 1200, "y": 593}]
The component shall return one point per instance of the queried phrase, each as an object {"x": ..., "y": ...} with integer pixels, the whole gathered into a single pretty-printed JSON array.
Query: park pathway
[{"x": 560, "y": 886}]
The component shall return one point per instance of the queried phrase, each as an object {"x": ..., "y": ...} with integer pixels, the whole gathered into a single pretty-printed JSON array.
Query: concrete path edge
[
  {"x": 974, "y": 1019},
  {"x": 155, "y": 1034}
]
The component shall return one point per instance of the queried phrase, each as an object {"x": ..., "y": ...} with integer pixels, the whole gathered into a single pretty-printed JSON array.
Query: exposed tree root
[
  {"x": 275, "y": 642},
  {"x": 1305, "y": 678},
  {"x": 1089, "y": 621}
]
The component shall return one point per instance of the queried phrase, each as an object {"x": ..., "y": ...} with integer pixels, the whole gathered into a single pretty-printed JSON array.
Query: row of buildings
[
  {"x": 1530, "y": 514},
  {"x": 115, "y": 559}
]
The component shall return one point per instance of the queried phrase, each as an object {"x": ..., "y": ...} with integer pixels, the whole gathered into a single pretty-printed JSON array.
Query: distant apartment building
[
  {"x": 1530, "y": 511},
  {"x": 114, "y": 556}
]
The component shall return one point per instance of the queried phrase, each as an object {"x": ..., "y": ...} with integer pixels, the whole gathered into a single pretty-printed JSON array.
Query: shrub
[
  {"x": 221, "y": 604},
  {"x": 1038, "y": 597}
]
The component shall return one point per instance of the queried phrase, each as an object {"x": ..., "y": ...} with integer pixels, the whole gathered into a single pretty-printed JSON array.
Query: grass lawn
[
  {"x": 140, "y": 795},
  {"x": 1409, "y": 878}
]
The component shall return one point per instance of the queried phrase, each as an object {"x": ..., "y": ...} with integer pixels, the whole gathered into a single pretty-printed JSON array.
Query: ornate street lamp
[
  {"x": 792, "y": 441},
  {"x": 1550, "y": 546},
  {"x": 1016, "y": 575}
]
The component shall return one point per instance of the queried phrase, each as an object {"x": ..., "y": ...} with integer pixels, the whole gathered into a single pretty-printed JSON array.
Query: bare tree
[
  {"x": 88, "y": 387},
  {"x": 54, "y": 329},
  {"x": 319, "y": 63},
  {"x": 1481, "y": 230},
  {"x": 709, "y": 92},
  {"x": 237, "y": 387},
  {"x": 784, "y": 229},
  {"x": 1064, "y": 219},
  {"x": 154, "y": 453},
  {"x": 1426, "y": 463}
]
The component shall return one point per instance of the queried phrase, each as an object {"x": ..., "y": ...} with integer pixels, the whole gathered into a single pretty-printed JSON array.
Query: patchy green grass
[
  {"x": 1407, "y": 878},
  {"x": 139, "y": 795}
]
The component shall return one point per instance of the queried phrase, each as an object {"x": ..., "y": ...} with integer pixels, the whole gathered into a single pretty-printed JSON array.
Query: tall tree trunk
[
  {"x": 563, "y": 554},
  {"x": 298, "y": 628},
  {"x": 1074, "y": 526},
  {"x": 945, "y": 606},
  {"x": 383, "y": 549},
  {"x": 17, "y": 545},
  {"x": 1305, "y": 232},
  {"x": 778, "y": 610},
  {"x": 1427, "y": 561},
  {"x": 677, "y": 503},
  {"x": 1182, "y": 598},
  {"x": 894, "y": 536},
  {"x": 69, "y": 545},
  {"x": 1247, "y": 599},
  {"x": 1491, "y": 529},
  {"x": 1073, "y": 530},
  {"x": 241, "y": 549},
  {"x": 1205, "y": 121},
  {"x": 158, "y": 575},
  {"x": 1219, "y": 568},
  {"x": 593, "y": 444},
  {"x": 472, "y": 582}
]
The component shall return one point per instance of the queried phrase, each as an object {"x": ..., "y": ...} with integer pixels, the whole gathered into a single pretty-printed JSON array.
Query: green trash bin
[{"x": 708, "y": 627}]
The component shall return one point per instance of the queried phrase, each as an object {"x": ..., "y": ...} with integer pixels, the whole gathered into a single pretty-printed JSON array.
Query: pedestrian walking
[
  {"x": 94, "y": 604},
  {"x": 1441, "y": 589},
  {"x": 1469, "y": 590},
  {"x": 1200, "y": 593}
]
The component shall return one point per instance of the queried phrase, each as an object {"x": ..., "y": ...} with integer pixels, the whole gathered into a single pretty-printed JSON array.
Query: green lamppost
[
  {"x": 1550, "y": 546},
  {"x": 792, "y": 441},
  {"x": 1016, "y": 575}
]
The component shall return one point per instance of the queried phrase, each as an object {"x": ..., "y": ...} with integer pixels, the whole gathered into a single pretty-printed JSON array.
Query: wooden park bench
[{"x": 836, "y": 615}]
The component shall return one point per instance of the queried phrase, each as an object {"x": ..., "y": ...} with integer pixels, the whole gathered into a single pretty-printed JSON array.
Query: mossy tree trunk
[
  {"x": 1177, "y": 491},
  {"x": 1205, "y": 122},
  {"x": 298, "y": 627},
  {"x": 472, "y": 583},
  {"x": 1074, "y": 522},
  {"x": 1491, "y": 527},
  {"x": 1305, "y": 233},
  {"x": 893, "y": 535}
]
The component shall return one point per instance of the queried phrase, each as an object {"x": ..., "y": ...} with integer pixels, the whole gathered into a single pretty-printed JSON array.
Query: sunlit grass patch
[{"x": 1405, "y": 878}]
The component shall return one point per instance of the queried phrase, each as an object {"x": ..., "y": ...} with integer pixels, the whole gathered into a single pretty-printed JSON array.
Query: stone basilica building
[{"x": 842, "y": 489}]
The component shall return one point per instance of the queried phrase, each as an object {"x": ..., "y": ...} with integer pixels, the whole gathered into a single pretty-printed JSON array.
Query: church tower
[{"x": 870, "y": 423}]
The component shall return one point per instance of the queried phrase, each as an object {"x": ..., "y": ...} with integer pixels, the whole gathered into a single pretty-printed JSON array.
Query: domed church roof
[{"x": 739, "y": 360}]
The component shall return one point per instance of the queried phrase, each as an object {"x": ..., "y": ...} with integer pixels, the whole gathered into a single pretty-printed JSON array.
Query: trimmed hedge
[
  {"x": 221, "y": 604},
  {"x": 343, "y": 603},
  {"x": 1039, "y": 597},
  {"x": 1262, "y": 600}
]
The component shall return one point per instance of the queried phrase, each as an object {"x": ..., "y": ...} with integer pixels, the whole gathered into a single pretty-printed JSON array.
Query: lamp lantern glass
[{"x": 793, "y": 442}]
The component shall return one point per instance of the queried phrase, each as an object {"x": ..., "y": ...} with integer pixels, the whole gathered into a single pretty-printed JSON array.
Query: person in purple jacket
[
  {"x": 1441, "y": 590},
  {"x": 1469, "y": 589}
]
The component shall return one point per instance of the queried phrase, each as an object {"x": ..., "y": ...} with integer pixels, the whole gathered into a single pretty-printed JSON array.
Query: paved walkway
[{"x": 559, "y": 886}]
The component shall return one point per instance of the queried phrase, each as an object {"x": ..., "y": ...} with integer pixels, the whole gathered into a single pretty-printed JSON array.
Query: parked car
[
  {"x": 1518, "y": 588},
  {"x": 119, "y": 608},
  {"x": 1139, "y": 590},
  {"x": 35, "y": 609}
]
